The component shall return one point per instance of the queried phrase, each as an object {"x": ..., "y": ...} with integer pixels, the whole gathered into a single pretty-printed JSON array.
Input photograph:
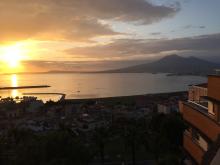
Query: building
[
  {"x": 202, "y": 115},
  {"x": 195, "y": 91},
  {"x": 163, "y": 108},
  {"x": 167, "y": 108}
]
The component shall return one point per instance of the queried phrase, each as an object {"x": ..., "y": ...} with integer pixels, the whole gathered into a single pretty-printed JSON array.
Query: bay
[{"x": 77, "y": 86}]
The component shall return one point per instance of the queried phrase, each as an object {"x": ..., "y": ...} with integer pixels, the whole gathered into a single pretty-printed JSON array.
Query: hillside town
[
  {"x": 98, "y": 124},
  {"x": 82, "y": 116}
]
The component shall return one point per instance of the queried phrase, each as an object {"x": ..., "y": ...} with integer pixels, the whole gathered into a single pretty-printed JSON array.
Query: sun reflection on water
[{"x": 14, "y": 83}]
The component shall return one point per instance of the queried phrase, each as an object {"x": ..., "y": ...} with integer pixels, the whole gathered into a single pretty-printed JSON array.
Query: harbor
[
  {"x": 61, "y": 94},
  {"x": 19, "y": 95}
]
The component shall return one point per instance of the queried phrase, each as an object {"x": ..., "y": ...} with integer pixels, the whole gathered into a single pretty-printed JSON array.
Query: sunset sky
[{"x": 43, "y": 35}]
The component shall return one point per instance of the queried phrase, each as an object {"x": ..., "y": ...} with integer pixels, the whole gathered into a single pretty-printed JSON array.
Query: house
[
  {"x": 202, "y": 115},
  {"x": 163, "y": 108},
  {"x": 167, "y": 107}
]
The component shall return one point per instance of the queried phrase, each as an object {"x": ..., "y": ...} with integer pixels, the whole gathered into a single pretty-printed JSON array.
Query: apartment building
[{"x": 202, "y": 115}]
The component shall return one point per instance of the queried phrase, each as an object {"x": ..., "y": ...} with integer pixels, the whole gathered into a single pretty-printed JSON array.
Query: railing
[
  {"x": 199, "y": 117},
  {"x": 193, "y": 149},
  {"x": 199, "y": 103},
  {"x": 199, "y": 106}
]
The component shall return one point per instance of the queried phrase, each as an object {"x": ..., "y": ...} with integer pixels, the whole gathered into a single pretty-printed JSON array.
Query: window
[
  {"x": 196, "y": 137},
  {"x": 211, "y": 108}
]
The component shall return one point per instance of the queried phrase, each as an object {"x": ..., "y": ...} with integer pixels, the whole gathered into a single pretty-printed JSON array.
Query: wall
[
  {"x": 195, "y": 93},
  {"x": 214, "y": 87}
]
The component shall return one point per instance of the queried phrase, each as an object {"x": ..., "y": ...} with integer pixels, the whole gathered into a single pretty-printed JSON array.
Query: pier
[
  {"x": 61, "y": 94},
  {"x": 24, "y": 87}
]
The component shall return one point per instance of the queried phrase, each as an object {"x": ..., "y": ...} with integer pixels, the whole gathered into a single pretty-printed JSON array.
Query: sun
[{"x": 12, "y": 55}]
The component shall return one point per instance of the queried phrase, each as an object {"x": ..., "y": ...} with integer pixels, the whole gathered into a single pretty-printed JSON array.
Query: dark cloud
[
  {"x": 155, "y": 33},
  {"x": 202, "y": 27},
  {"x": 125, "y": 48},
  {"x": 73, "y": 19},
  {"x": 128, "y": 52},
  {"x": 187, "y": 27},
  {"x": 193, "y": 27}
]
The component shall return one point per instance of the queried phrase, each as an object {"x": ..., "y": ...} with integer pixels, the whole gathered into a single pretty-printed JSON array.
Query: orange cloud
[{"x": 72, "y": 19}]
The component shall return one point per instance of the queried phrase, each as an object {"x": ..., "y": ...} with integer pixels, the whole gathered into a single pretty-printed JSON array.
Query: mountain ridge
[{"x": 173, "y": 64}]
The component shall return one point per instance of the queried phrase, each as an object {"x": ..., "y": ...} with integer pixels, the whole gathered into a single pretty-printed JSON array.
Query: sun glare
[{"x": 12, "y": 55}]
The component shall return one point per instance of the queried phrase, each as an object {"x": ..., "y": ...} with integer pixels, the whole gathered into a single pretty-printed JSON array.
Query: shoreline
[{"x": 125, "y": 98}]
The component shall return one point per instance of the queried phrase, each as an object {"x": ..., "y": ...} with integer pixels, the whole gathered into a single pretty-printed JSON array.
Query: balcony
[
  {"x": 198, "y": 116},
  {"x": 193, "y": 149}
]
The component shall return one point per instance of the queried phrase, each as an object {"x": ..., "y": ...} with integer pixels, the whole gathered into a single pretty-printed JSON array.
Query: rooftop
[{"x": 203, "y": 85}]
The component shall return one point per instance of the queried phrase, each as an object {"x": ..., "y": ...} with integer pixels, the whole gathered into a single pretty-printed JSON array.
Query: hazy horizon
[{"x": 95, "y": 67}]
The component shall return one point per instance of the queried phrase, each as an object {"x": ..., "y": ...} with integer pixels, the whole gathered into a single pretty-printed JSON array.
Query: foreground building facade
[{"x": 202, "y": 115}]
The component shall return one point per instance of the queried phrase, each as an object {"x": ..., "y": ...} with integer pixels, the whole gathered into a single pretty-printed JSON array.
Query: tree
[
  {"x": 164, "y": 136},
  {"x": 133, "y": 132},
  {"x": 100, "y": 138},
  {"x": 52, "y": 148}
]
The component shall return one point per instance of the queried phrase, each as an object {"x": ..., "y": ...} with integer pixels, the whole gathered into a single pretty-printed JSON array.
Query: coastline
[{"x": 125, "y": 99}]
